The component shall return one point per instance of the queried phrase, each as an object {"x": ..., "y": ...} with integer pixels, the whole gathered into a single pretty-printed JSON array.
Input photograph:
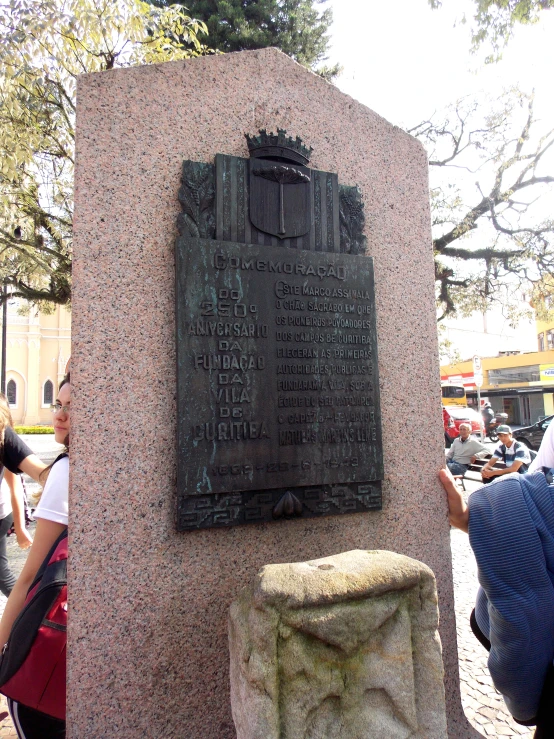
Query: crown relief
[{"x": 278, "y": 145}]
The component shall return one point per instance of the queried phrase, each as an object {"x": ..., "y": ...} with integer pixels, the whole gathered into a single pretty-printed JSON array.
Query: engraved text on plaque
[{"x": 278, "y": 404}]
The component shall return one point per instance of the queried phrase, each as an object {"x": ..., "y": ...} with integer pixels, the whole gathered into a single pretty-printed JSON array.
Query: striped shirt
[
  {"x": 517, "y": 452},
  {"x": 511, "y": 532}
]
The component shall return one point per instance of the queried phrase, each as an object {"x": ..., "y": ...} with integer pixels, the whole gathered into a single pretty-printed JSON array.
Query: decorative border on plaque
[
  {"x": 231, "y": 509},
  {"x": 197, "y": 197},
  {"x": 352, "y": 220}
]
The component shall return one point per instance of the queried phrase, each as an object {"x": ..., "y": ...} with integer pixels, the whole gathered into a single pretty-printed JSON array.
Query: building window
[
  {"x": 550, "y": 339},
  {"x": 11, "y": 392},
  {"x": 509, "y": 375},
  {"x": 48, "y": 393},
  {"x": 541, "y": 342}
]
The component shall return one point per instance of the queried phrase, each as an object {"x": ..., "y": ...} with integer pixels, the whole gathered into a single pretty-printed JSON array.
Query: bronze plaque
[{"x": 278, "y": 398}]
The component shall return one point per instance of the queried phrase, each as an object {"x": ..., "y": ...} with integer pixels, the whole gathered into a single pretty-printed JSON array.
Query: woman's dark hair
[{"x": 46, "y": 471}]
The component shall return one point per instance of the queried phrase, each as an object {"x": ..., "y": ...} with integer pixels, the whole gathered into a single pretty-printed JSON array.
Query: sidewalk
[{"x": 483, "y": 706}]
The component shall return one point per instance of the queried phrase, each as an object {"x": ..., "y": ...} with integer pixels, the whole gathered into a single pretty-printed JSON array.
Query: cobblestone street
[{"x": 483, "y": 706}]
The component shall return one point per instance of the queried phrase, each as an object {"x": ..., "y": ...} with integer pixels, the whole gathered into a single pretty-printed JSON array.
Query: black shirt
[{"x": 14, "y": 451}]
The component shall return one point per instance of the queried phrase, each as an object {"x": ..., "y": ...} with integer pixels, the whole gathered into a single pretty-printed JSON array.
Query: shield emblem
[{"x": 280, "y": 198}]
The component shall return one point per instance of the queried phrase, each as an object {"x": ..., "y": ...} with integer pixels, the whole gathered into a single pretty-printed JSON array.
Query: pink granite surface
[{"x": 148, "y": 641}]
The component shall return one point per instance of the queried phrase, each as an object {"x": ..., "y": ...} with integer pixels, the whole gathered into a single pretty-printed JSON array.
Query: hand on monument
[{"x": 458, "y": 512}]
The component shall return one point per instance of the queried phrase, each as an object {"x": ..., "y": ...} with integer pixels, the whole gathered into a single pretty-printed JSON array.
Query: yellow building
[
  {"x": 520, "y": 384},
  {"x": 545, "y": 335},
  {"x": 37, "y": 349}
]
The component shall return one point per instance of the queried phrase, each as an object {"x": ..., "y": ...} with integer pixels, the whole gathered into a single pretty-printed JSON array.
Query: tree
[
  {"x": 495, "y": 20},
  {"x": 488, "y": 172},
  {"x": 490, "y": 225},
  {"x": 294, "y": 26},
  {"x": 542, "y": 298},
  {"x": 44, "y": 45}
]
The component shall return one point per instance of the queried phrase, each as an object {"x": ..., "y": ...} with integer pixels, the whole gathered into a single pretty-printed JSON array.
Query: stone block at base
[{"x": 341, "y": 647}]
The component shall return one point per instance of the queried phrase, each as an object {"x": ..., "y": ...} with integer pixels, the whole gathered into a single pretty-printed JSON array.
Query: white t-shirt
[
  {"x": 5, "y": 498},
  {"x": 53, "y": 503}
]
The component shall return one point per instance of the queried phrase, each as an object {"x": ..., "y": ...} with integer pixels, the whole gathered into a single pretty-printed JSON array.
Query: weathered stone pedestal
[{"x": 345, "y": 646}]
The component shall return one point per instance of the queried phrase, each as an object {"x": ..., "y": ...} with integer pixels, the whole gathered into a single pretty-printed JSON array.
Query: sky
[{"x": 406, "y": 62}]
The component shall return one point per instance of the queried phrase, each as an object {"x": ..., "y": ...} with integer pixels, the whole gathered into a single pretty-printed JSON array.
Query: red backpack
[{"x": 33, "y": 663}]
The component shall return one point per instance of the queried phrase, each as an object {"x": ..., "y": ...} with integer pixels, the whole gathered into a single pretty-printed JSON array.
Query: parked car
[
  {"x": 463, "y": 415},
  {"x": 531, "y": 436}
]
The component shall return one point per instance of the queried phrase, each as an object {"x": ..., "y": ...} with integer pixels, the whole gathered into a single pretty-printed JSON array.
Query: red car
[{"x": 453, "y": 416}]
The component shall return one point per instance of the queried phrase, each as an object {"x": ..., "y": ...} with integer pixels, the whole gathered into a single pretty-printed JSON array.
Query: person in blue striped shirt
[
  {"x": 514, "y": 454},
  {"x": 511, "y": 532}
]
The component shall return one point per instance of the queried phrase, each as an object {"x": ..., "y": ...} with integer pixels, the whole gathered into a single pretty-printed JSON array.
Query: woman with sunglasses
[{"x": 51, "y": 518}]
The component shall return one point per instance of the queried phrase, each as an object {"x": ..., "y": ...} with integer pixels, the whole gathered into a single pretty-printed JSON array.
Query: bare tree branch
[{"x": 500, "y": 234}]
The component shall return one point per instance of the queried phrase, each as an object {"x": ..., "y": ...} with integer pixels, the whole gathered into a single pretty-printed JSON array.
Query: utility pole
[
  {"x": 4, "y": 337},
  {"x": 478, "y": 381}
]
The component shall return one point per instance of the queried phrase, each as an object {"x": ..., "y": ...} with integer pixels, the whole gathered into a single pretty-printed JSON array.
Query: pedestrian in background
[
  {"x": 51, "y": 517},
  {"x": 514, "y": 454},
  {"x": 15, "y": 457},
  {"x": 464, "y": 451}
]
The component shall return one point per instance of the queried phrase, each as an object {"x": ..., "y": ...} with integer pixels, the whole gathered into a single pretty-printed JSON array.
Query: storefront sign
[{"x": 547, "y": 372}]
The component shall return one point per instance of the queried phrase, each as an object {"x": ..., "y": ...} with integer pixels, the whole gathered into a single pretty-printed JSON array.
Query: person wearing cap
[{"x": 514, "y": 454}]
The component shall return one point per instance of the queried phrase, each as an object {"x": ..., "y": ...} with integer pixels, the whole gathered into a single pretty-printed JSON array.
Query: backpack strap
[
  {"x": 47, "y": 559},
  {"x": 54, "y": 546}
]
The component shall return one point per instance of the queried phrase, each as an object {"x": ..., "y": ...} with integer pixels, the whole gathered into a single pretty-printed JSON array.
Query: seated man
[
  {"x": 463, "y": 451},
  {"x": 514, "y": 454}
]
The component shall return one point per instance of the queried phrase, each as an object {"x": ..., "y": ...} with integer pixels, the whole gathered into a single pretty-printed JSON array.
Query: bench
[
  {"x": 476, "y": 468},
  {"x": 478, "y": 465}
]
